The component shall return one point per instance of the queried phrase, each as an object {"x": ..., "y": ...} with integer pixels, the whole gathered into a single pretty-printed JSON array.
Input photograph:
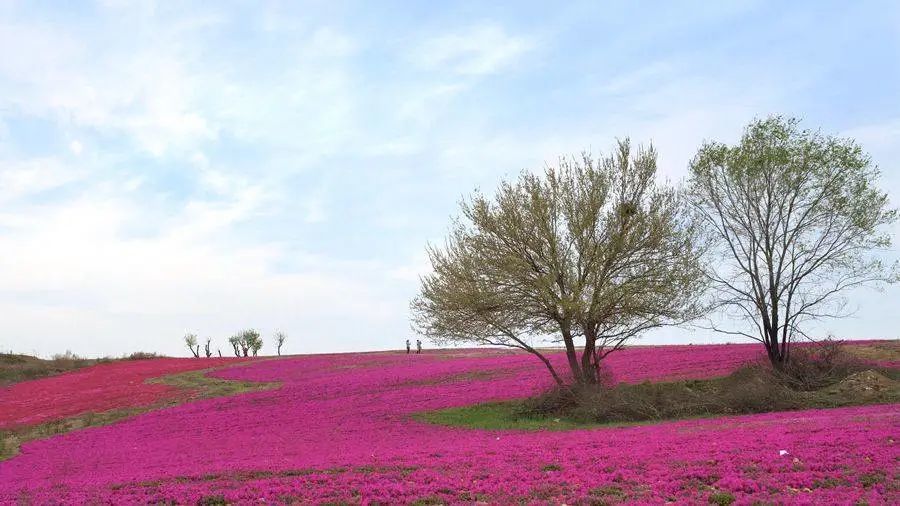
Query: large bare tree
[
  {"x": 796, "y": 214},
  {"x": 595, "y": 251}
]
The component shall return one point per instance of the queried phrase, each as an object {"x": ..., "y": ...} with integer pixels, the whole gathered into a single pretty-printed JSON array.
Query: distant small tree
[
  {"x": 279, "y": 340},
  {"x": 206, "y": 348},
  {"x": 235, "y": 342},
  {"x": 250, "y": 341},
  {"x": 244, "y": 342},
  {"x": 796, "y": 215},
  {"x": 191, "y": 341},
  {"x": 256, "y": 345},
  {"x": 595, "y": 250}
]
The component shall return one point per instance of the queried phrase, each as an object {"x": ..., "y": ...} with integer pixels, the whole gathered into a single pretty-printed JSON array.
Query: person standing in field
[
  {"x": 407, "y": 346},
  {"x": 418, "y": 346}
]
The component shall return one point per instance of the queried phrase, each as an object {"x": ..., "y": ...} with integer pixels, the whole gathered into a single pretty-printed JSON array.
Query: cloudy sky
[{"x": 170, "y": 166}]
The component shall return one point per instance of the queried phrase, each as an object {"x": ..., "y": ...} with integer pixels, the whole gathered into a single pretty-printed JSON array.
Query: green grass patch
[
  {"x": 496, "y": 416},
  {"x": 721, "y": 498}
]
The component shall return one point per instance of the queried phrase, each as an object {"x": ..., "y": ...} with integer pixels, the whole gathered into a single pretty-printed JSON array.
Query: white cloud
[
  {"x": 424, "y": 105},
  {"x": 146, "y": 92},
  {"x": 21, "y": 178},
  {"x": 145, "y": 291},
  {"x": 478, "y": 50},
  {"x": 413, "y": 270},
  {"x": 314, "y": 208},
  {"x": 879, "y": 136}
]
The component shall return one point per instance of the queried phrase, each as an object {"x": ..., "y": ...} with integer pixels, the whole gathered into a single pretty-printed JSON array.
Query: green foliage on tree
[
  {"x": 249, "y": 341},
  {"x": 596, "y": 251},
  {"x": 191, "y": 341},
  {"x": 235, "y": 342}
]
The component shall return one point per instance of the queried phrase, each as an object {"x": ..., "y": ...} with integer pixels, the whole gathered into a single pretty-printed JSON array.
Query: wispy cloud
[{"x": 476, "y": 50}]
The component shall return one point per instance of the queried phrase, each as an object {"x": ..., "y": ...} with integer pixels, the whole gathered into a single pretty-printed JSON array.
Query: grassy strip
[
  {"x": 505, "y": 415},
  {"x": 196, "y": 384},
  {"x": 646, "y": 403}
]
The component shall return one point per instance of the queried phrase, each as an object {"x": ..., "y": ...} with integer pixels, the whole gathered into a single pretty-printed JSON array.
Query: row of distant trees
[
  {"x": 243, "y": 343},
  {"x": 767, "y": 234}
]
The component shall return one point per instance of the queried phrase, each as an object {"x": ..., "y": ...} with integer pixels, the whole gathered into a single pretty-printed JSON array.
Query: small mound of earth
[{"x": 865, "y": 383}]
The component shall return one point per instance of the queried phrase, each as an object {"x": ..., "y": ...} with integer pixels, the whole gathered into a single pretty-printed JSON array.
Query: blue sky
[{"x": 174, "y": 166}]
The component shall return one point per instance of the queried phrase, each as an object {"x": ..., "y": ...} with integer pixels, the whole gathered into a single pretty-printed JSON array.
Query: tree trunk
[
  {"x": 589, "y": 367},
  {"x": 777, "y": 352},
  {"x": 571, "y": 354}
]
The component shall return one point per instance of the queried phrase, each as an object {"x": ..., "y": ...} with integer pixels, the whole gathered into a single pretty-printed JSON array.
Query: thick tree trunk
[
  {"x": 775, "y": 350},
  {"x": 589, "y": 368},
  {"x": 571, "y": 354}
]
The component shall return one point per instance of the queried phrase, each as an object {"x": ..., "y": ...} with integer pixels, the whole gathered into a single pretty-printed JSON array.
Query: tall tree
[
  {"x": 797, "y": 215},
  {"x": 592, "y": 250}
]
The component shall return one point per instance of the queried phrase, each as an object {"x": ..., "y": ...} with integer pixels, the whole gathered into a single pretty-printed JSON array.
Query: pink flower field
[
  {"x": 119, "y": 384},
  {"x": 340, "y": 430}
]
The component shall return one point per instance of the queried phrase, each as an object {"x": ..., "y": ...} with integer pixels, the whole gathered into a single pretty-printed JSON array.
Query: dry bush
[
  {"x": 621, "y": 403},
  {"x": 15, "y": 368},
  {"x": 68, "y": 355},
  {"x": 643, "y": 401},
  {"x": 818, "y": 365},
  {"x": 142, "y": 355},
  {"x": 558, "y": 400},
  {"x": 753, "y": 388}
]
